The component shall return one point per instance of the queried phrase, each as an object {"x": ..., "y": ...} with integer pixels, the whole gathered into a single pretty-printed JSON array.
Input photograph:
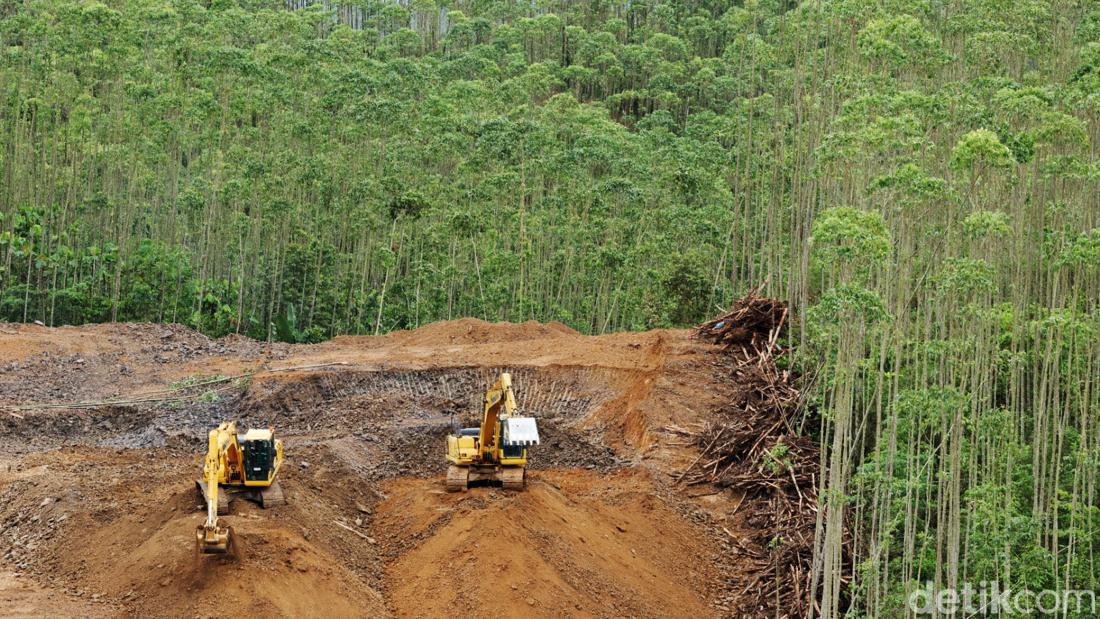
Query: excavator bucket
[{"x": 213, "y": 540}]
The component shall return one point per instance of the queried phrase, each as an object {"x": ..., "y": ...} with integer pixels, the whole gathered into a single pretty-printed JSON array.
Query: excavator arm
[
  {"x": 210, "y": 536},
  {"x": 210, "y": 470},
  {"x": 498, "y": 398}
]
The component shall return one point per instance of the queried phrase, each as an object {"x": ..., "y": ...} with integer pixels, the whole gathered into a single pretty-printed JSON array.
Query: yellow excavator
[
  {"x": 497, "y": 450},
  {"x": 244, "y": 464}
]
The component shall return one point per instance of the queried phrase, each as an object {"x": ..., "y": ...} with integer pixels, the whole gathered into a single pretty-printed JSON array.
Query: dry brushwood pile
[
  {"x": 755, "y": 450},
  {"x": 753, "y": 321}
]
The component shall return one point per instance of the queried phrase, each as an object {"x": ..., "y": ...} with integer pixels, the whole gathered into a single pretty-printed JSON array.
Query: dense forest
[{"x": 920, "y": 178}]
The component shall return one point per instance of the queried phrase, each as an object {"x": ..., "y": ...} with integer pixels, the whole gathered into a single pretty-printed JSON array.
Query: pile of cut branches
[
  {"x": 752, "y": 322},
  {"x": 755, "y": 450}
]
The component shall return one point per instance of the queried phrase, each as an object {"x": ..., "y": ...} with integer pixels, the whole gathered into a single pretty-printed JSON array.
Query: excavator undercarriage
[
  {"x": 460, "y": 478},
  {"x": 270, "y": 496}
]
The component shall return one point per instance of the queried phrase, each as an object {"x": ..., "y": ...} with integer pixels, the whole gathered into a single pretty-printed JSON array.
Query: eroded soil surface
[{"x": 98, "y": 506}]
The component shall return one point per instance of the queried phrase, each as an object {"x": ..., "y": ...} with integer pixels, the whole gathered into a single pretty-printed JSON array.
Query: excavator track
[
  {"x": 513, "y": 477},
  {"x": 458, "y": 478},
  {"x": 272, "y": 496}
]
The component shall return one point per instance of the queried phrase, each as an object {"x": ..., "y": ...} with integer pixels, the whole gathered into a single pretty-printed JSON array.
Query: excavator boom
[
  {"x": 212, "y": 538},
  {"x": 499, "y": 396}
]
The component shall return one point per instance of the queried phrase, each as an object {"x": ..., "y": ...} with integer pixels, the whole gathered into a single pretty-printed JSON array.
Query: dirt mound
[
  {"x": 575, "y": 544},
  {"x": 476, "y": 331},
  {"x": 290, "y": 561},
  {"x": 117, "y": 527},
  {"x": 274, "y": 570}
]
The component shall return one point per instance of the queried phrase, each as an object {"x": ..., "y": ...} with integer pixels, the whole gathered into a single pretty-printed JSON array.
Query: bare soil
[{"x": 98, "y": 506}]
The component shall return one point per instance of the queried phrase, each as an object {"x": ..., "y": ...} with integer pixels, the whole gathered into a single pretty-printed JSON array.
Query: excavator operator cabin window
[{"x": 257, "y": 459}]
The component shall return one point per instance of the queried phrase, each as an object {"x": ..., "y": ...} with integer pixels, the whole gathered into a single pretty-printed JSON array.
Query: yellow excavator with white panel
[{"x": 495, "y": 452}]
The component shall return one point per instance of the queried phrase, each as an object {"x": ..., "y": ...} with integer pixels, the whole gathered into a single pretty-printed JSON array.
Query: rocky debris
[
  {"x": 25, "y": 529},
  {"x": 564, "y": 445},
  {"x": 132, "y": 427},
  {"x": 76, "y": 373}
]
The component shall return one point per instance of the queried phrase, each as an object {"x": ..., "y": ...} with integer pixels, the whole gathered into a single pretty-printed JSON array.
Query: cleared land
[{"x": 98, "y": 507}]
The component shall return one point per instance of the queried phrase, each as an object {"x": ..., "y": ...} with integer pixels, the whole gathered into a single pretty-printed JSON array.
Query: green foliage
[
  {"x": 777, "y": 461},
  {"x": 844, "y": 304},
  {"x": 980, "y": 148},
  {"x": 983, "y": 224},
  {"x": 901, "y": 41},
  {"x": 962, "y": 276},
  {"x": 286, "y": 326},
  {"x": 851, "y": 239},
  {"x": 1084, "y": 251},
  {"x": 157, "y": 283},
  {"x": 687, "y": 286}
]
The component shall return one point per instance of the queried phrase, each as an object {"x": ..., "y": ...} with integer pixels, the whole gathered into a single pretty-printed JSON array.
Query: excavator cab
[{"x": 258, "y": 449}]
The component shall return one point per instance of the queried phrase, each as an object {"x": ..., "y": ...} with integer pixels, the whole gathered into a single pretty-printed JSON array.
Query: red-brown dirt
[
  {"x": 98, "y": 508},
  {"x": 574, "y": 544}
]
